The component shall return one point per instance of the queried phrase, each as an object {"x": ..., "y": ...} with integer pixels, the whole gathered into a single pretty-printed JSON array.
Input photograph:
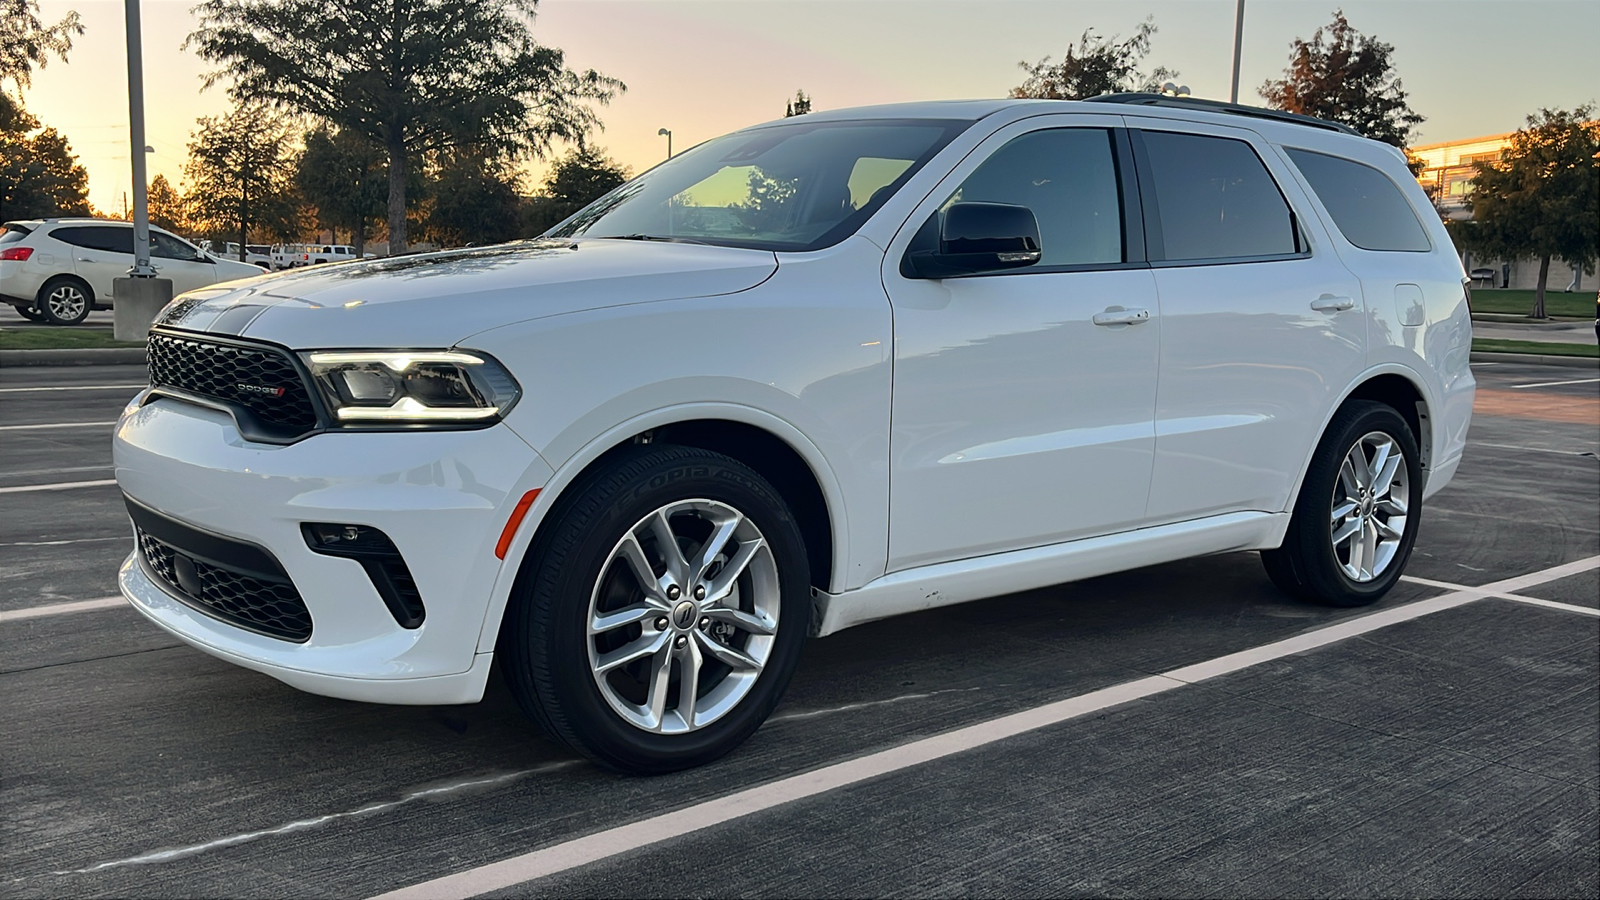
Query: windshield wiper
[{"x": 651, "y": 237}]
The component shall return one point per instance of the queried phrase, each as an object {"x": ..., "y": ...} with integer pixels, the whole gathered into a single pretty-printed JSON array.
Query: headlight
[{"x": 412, "y": 387}]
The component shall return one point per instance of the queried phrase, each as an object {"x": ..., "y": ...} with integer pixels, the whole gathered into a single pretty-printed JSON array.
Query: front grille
[
  {"x": 261, "y": 382},
  {"x": 272, "y": 608}
]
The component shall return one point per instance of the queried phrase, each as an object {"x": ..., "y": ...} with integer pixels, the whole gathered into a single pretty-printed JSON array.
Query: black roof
[{"x": 1237, "y": 109}]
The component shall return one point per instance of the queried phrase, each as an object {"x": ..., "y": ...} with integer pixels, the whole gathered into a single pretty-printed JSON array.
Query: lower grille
[{"x": 256, "y": 594}]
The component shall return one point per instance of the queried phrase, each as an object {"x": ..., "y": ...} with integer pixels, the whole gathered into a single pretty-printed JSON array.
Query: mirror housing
[{"x": 972, "y": 238}]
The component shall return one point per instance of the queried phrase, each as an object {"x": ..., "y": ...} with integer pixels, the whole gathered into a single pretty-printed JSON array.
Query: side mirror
[{"x": 974, "y": 237}]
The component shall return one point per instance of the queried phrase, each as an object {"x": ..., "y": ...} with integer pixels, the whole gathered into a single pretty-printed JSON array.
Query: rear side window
[
  {"x": 97, "y": 237},
  {"x": 1368, "y": 208},
  {"x": 1068, "y": 177},
  {"x": 1216, "y": 200}
]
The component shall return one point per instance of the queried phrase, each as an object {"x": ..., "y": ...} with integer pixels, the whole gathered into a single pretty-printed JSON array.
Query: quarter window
[
  {"x": 1216, "y": 199},
  {"x": 1368, "y": 208},
  {"x": 1068, "y": 177}
]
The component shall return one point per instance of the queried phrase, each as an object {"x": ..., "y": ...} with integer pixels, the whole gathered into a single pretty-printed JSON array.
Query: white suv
[
  {"x": 57, "y": 270},
  {"x": 814, "y": 373}
]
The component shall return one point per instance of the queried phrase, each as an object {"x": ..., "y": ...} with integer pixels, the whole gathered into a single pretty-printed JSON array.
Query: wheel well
[
  {"x": 774, "y": 459},
  {"x": 1398, "y": 392},
  {"x": 57, "y": 279}
]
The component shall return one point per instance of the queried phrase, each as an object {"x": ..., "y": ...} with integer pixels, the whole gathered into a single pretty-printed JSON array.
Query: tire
[
  {"x": 64, "y": 300},
  {"x": 743, "y": 636},
  {"x": 1377, "y": 528},
  {"x": 29, "y": 313}
]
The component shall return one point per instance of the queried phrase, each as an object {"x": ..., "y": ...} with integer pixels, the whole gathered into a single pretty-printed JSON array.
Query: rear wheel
[
  {"x": 1356, "y": 520},
  {"x": 661, "y": 612},
  {"x": 64, "y": 301}
]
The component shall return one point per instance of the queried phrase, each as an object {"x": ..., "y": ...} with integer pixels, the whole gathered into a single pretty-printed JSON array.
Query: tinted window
[
  {"x": 98, "y": 237},
  {"x": 1216, "y": 199},
  {"x": 1368, "y": 208},
  {"x": 1068, "y": 177},
  {"x": 167, "y": 247}
]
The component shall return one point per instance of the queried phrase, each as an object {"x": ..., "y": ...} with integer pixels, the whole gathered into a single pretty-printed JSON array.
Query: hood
[{"x": 438, "y": 299}]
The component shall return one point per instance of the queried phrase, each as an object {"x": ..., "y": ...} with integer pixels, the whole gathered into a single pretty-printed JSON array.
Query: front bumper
[{"x": 442, "y": 497}]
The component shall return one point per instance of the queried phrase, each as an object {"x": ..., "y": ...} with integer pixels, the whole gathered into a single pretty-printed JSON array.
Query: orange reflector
[{"x": 513, "y": 522}]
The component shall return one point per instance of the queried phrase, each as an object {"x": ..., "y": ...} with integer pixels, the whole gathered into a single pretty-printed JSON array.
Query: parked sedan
[{"x": 57, "y": 270}]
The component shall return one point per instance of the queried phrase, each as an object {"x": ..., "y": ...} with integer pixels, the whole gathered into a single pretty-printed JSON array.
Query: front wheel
[
  {"x": 661, "y": 611},
  {"x": 1356, "y": 520}
]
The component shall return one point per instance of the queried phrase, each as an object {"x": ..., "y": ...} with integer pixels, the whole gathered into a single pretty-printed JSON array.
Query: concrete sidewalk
[{"x": 1543, "y": 332}]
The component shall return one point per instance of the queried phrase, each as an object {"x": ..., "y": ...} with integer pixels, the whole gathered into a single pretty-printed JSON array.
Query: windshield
[{"x": 795, "y": 186}]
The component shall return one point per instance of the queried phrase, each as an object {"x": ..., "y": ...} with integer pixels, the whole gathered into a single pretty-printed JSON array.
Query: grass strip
[{"x": 1495, "y": 345}]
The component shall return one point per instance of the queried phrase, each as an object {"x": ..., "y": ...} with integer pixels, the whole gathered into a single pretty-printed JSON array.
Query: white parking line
[
  {"x": 76, "y": 387},
  {"x": 1555, "y": 383},
  {"x": 60, "y": 609},
  {"x": 58, "y": 425},
  {"x": 57, "y": 486},
  {"x": 1499, "y": 595},
  {"x": 614, "y": 841}
]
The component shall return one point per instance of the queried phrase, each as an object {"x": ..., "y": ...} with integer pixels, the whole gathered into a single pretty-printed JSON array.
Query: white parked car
[
  {"x": 811, "y": 374},
  {"x": 317, "y": 254},
  {"x": 57, "y": 270}
]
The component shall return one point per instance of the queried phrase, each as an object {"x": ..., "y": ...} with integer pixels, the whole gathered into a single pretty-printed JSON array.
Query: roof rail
[{"x": 1237, "y": 109}]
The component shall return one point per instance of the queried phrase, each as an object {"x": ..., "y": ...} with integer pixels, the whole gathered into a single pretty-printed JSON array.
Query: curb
[
  {"x": 1538, "y": 359},
  {"x": 113, "y": 356}
]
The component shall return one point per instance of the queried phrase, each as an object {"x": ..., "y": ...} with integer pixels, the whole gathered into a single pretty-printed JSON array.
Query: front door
[
  {"x": 183, "y": 264},
  {"x": 1017, "y": 419}
]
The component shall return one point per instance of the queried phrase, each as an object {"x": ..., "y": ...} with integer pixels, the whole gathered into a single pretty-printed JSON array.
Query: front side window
[
  {"x": 795, "y": 186},
  {"x": 1217, "y": 200},
  {"x": 168, "y": 247},
  {"x": 1068, "y": 178},
  {"x": 1368, "y": 208}
]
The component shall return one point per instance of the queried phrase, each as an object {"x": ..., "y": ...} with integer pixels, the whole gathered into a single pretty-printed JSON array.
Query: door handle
[
  {"x": 1330, "y": 303},
  {"x": 1122, "y": 317}
]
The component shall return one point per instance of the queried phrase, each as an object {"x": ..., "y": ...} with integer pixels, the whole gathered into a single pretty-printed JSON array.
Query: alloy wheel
[
  {"x": 66, "y": 302},
  {"x": 682, "y": 619},
  {"x": 1370, "y": 504}
]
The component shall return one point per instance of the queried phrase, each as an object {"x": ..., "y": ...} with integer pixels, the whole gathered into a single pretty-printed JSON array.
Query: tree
[
  {"x": 341, "y": 174},
  {"x": 39, "y": 175},
  {"x": 1096, "y": 66},
  {"x": 799, "y": 106},
  {"x": 239, "y": 174},
  {"x": 1348, "y": 77},
  {"x": 1542, "y": 199},
  {"x": 26, "y": 42},
  {"x": 578, "y": 179},
  {"x": 167, "y": 207},
  {"x": 413, "y": 76},
  {"x": 472, "y": 199}
]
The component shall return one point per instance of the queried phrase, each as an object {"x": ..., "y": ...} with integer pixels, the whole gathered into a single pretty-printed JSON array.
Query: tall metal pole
[
  {"x": 1238, "y": 44},
  {"x": 141, "y": 210}
]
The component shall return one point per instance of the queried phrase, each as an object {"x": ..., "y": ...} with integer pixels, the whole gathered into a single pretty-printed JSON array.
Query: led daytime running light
[
  {"x": 407, "y": 408},
  {"x": 397, "y": 362}
]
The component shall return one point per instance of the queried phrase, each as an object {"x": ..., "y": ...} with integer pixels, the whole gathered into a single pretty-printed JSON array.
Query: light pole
[
  {"x": 1238, "y": 44},
  {"x": 137, "y": 298},
  {"x": 669, "y": 141}
]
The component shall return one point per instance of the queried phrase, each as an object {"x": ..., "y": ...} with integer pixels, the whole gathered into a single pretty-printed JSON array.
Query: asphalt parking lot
[{"x": 1178, "y": 730}]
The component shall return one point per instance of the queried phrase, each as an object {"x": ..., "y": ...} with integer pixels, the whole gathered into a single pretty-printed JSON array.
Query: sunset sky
[{"x": 706, "y": 67}]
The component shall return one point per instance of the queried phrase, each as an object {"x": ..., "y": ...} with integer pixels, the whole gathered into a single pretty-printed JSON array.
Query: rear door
[
  {"x": 1262, "y": 326},
  {"x": 100, "y": 254}
]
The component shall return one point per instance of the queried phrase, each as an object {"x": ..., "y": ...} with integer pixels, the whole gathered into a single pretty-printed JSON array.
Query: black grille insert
[
  {"x": 238, "y": 583},
  {"x": 261, "y": 384}
]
